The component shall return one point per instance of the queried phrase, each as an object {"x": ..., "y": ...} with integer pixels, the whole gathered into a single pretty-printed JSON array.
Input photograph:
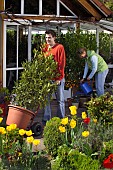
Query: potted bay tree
[{"x": 32, "y": 89}]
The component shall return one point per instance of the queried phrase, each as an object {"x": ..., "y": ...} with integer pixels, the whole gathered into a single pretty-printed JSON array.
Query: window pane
[
  {"x": 64, "y": 11},
  {"x": 23, "y": 45},
  {"x": 10, "y": 78},
  {"x": 11, "y": 46},
  {"x": 13, "y": 6},
  {"x": 31, "y": 6},
  {"x": 49, "y": 7}
]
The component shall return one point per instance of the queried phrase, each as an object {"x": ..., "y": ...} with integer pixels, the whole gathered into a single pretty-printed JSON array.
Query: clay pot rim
[{"x": 22, "y": 108}]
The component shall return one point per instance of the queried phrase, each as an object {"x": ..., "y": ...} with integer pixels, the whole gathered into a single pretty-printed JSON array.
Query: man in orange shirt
[{"x": 58, "y": 52}]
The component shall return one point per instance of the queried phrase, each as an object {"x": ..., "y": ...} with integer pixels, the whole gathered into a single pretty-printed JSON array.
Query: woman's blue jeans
[
  {"x": 99, "y": 82},
  {"x": 59, "y": 93}
]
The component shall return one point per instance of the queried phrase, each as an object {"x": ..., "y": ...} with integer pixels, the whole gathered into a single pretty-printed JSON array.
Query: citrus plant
[{"x": 35, "y": 83}]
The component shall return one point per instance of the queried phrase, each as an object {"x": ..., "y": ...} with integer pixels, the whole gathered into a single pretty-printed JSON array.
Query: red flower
[
  {"x": 111, "y": 156},
  {"x": 108, "y": 163},
  {"x": 87, "y": 120}
]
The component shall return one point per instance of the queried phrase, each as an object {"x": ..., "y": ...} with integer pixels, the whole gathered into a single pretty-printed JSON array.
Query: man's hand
[
  {"x": 88, "y": 79},
  {"x": 82, "y": 80},
  {"x": 57, "y": 82}
]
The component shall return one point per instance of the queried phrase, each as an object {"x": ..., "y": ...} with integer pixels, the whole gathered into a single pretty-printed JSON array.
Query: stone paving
[{"x": 39, "y": 115}]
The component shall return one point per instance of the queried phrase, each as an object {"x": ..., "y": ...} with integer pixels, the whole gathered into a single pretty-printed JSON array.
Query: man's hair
[
  {"x": 81, "y": 50},
  {"x": 53, "y": 33}
]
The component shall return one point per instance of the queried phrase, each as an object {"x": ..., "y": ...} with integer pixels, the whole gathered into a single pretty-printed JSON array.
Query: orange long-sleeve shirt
[{"x": 58, "y": 53}]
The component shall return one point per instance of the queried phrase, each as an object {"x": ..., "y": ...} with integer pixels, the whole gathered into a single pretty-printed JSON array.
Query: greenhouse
[{"x": 54, "y": 113}]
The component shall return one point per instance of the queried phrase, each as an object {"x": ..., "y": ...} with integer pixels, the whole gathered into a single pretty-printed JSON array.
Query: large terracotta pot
[{"x": 19, "y": 116}]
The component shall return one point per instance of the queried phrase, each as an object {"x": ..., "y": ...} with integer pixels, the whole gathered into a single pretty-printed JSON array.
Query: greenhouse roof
[{"x": 88, "y": 14}]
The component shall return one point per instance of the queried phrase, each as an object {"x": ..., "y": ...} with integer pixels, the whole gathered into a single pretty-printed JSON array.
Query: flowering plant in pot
[{"x": 35, "y": 84}]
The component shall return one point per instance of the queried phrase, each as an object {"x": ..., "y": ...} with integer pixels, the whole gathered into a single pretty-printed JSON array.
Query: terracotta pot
[{"x": 19, "y": 116}]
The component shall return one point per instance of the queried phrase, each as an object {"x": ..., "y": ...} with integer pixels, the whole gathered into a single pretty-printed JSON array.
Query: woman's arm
[
  {"x": 85, "y": 70},
  {"x": 94, "y": 61}
]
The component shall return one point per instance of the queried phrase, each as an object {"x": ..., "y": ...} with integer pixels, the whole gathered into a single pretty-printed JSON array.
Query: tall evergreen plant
[{"x": 35, "y": 83}]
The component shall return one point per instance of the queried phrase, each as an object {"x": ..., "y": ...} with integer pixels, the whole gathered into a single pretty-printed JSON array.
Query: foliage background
[{"x": 73, "y": 40}]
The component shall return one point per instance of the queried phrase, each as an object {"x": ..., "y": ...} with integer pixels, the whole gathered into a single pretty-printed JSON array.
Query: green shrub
[
  {"x": 101, "y": 108},
  {"x": 4, "y": 95},
  {"x": 107, "y": 149},
  {"x": 34, "y": 85},
  {"x": 71, "y": 159},
  {"x": 52, "y": 136}
]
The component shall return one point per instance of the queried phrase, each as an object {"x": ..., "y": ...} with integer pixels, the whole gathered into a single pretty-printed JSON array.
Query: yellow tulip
[
  {"x": 30, "y": 139},
  {"x": 1, "y": 118},
  {"x": 62, "y": 129},
  {"x": 73, "y": 123},
  {"x": 8, "y": 128},
  {"x": 20, "y": 154},
  {"x": 95, "y": 120},
  {"x": 73, "y": 110},
  {"x": 13, "y": 126},
  {"x": 84, "y": 115},
  {"x": 64, "y": 121},
  {"x": 22, "y": 132},
  {"x": 29, "y": 133},
  {"x": 2, "y": 130},
  {"x": 36, "y": 142},
  {"x": 85, "y": 133}
]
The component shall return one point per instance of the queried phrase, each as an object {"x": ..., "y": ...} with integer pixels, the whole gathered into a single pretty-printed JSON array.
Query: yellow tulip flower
[
  {"x": 2, "y": 130},
  {"x": 13, "y": 126},
  {"x": 8, "y": 128},
  {"x": 95, "y": 120},
  {"x": 85, "y": 133},
  {"x": 20, "y": 154},
  {"x": 36, "y": 142},
  {"x": 30, "y": 139},
  {"x": 73, "y": 123},
  {"x": 1, "y": 118},
  {"x": 22, "y": 132},
  {"x": 64, "y": 121},
  {"x": 62, "y": 129},
  {"x": 84, "y": 115},
  {"x": 29, "y": 133},
  {"x": 73, "y": 110}
]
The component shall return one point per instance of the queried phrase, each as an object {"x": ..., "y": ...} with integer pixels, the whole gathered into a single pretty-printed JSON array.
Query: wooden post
[
  {"x": 1, "y": 41},
  {"x": 77, "y": 25},
  {"x": 97, "y": 39}
]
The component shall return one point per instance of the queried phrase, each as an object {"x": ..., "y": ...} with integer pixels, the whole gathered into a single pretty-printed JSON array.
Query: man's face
[
  {"x": 83, "y": 55},
  {"x": 50, "y": 39}
]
